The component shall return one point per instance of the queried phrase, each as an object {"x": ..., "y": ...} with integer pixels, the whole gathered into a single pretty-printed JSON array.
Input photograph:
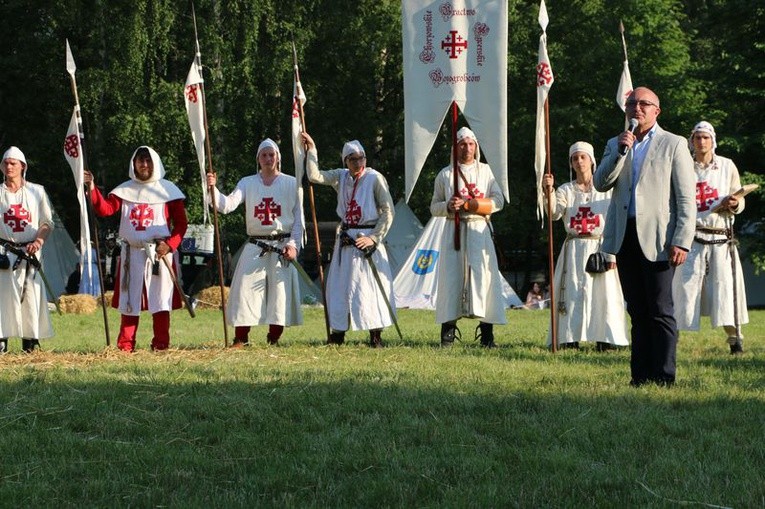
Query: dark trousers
[{"x": 647, "y": 288}]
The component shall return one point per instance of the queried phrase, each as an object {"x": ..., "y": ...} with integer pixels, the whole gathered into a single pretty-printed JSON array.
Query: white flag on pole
[
  {"x": 455, "y": 52},
  {"x": 193, "y": 97},
  {"x": 74, "y": 156},
  {"x": 625, "y": 87},
  {"x": 298, "y": 149},
  {"x": 544, "y": 82}
]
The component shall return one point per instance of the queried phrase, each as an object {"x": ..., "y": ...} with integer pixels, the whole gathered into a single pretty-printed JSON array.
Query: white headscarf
[
  {"x": 582, "y": 146},
  {"x": 15, "y": 153},
  {"x": 154, "y": 190},
  {"x": 704, "y": 127},
  {"x": 466, "y": 132},
  {"x": 159, "y": 168},
  {"x": 352, "y": 147},
  {"x": 269, "y": 143}
]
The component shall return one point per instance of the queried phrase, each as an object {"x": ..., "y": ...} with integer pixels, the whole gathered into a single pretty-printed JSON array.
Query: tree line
[{"x": 705, "y": 59}]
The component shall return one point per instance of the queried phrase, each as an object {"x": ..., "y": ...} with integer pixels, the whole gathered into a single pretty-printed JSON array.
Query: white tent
[
  {"x": 403, "y": 234},
  {"x": 416, "y": 281},
  {"x": 59, "y": 258}
]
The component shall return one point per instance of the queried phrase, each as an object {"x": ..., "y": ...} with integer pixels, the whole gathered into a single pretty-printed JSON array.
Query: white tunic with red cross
[
  {"x": 590, "y": 306},
  {"x": 703, "y": 285},
  {"x": 469, "y": 283},
  {"x": 22, "y": 214},
  {"x": 265, "y": 289}
]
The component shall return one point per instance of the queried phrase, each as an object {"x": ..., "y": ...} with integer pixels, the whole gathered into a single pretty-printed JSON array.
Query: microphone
[{"x": 633, "y": 125}]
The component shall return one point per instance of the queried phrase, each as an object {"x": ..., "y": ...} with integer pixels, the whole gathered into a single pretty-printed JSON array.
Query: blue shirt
[{"x": 639, "y": 150}]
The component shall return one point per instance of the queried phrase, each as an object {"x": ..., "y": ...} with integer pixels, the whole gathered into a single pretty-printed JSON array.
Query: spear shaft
[
  {"x": 317, "y": 241},
  {"x": 71, "y": 68},
  {"x": 211, "y": 189}
]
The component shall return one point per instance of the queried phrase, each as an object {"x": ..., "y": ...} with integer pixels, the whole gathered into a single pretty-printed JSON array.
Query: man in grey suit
[{"x": 650, "y": 230}]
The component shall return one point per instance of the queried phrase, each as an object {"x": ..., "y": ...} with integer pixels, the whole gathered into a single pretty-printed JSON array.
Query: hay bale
[
  {"x": 209, "y": 298},
  {"x": 80, "y": 304}
]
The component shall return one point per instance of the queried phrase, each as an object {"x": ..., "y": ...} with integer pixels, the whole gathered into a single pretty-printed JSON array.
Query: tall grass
[{"x": 412, "y": 425}]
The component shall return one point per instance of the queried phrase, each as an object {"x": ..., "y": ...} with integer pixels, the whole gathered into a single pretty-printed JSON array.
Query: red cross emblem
[
  {"x": 141, "y": 216},
  {"x": 353, "y": 213},
  {"x": 454, "y": 44},
  {"x": 267, "y": 211},
  {"x": 295, "y": 108},
  {"x": 705, "y": 196},
  {"x": 584, "y": 222},
  {"x": 544, "y": 74},
  {"x": 191, "y": 93},
  {"x": 72, "y": 146},
  {"x": 17, "y": 217},
  {"x": 471, "y": 191}
]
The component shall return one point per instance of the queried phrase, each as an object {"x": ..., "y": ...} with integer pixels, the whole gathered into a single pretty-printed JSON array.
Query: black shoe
[
  {"x": 485, "y": 333},
  {"x": 736, "y": 349},
  {"x": 29, "y": 345},
  {"x": 602, "y": 346},
  {"x": 4, "y": 345},
  {"x": 569, "y": 346},
  {"x": 375, "y": 338},
  {"x": 336, "y": 338},
  {"x": 449, "y": 332}
]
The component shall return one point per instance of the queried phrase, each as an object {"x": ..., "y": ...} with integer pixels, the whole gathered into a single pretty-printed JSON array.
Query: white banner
[
  {"x": 192, "y": 96},
  {"x": 545, "y": 80},
  {"x": 455, "y": 51},
  {"x": 625, "y": 87},
  {"x": 298, "y": 149},
  {"x": 75, "y": 158}
]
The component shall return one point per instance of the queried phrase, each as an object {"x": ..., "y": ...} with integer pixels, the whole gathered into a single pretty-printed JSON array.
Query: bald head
[{"x": 643, "y": 106}]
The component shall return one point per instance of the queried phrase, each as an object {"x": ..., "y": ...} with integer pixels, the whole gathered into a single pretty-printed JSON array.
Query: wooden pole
[
  {"x": 311, "y": 201},
  {"x": 71, "y": 68},
  {"x": 211, "y": 189},
  {"x": 455, "y": 172},
  {"x": 550, "y": 263}
]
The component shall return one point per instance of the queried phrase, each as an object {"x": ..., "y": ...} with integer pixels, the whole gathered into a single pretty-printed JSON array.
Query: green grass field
[{"x": 409, "y": 425}]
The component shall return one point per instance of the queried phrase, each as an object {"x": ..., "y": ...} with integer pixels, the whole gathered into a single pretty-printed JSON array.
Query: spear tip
[
  {"x": 70, "y": 66},
  {"x": 621, "y": 27}
]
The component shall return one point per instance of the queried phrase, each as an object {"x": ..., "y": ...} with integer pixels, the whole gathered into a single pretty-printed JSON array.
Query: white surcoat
[
  {"x": 703, "y": 285},
  {"x": 265, "y": 289},
  {"x": 590, "y": 306},
  {"x": 354, "y": 298},
  {"x": 22, "y": 214},
  {"x": 469, "y": 283}
]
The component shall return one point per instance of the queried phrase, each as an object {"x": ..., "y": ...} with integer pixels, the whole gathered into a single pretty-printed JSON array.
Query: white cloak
[
  {"x": 22, "y": 214},
  {"x": 353, "y": 294},
  {"x": 590, "y": 306},
  {"x": 265, "y": 289},
  {"x": 469, "y": 282},
  {"x": 703, "y": 285}
]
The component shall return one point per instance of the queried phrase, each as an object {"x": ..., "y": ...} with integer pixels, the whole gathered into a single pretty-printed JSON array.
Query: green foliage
[{"x": 704, "y": 58}]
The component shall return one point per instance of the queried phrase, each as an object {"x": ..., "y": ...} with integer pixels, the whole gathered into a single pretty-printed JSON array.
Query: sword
[
  {"x": 368, "y": 255},
  {"x": 268, "y": 248},
  {"x": 732, "y": 250},
  {"x": 34, "y": 262},
  {"x": 151, "y": 252}
]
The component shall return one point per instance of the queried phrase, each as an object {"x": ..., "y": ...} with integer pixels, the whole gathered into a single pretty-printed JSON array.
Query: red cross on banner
[
  {"x": 191, "y": 93},
  {"x": 267, "y": 211},
  {"x": 141, "y": 216},
  {"x": 353, "y": 213},
  {"x": 454, "y": 44},
  {"x": 17, "y": 217},
  {"x": 585, "y": 221},
  {"x": 705, "y": 196},
  {"x": 72, "y": 146}
]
